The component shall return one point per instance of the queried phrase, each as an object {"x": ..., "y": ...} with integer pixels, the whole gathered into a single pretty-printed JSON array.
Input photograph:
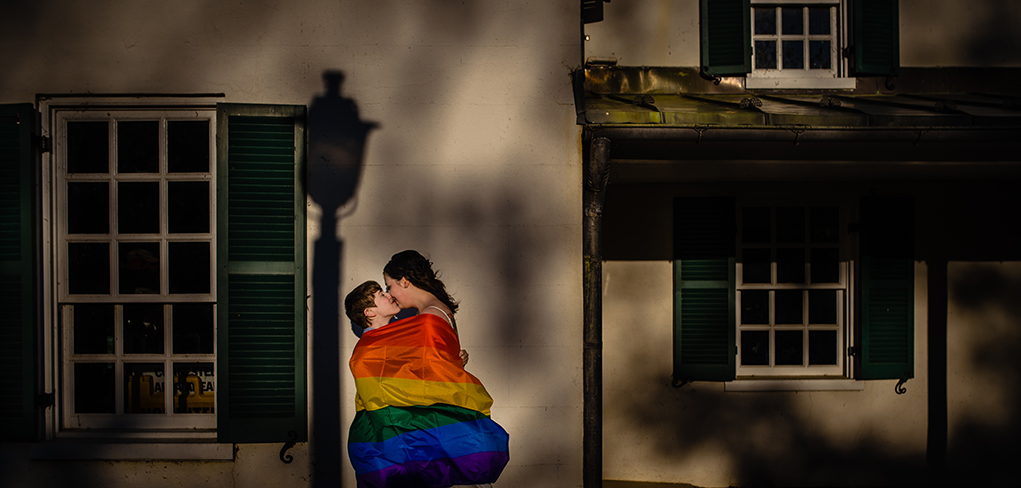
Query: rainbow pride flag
[{"x": 422, "y": 420}]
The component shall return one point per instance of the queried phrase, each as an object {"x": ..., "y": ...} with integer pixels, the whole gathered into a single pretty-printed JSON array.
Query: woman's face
[
  {"x": 395, "y": 290},
  {"x": 385, "y": 305}
]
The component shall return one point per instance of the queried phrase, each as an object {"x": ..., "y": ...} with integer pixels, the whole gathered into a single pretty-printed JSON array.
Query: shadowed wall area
[
  {"x": 706, "y": 436},
  {"x": 336, "y": 141}
]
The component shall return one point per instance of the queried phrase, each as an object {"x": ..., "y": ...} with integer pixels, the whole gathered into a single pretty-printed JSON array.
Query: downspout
[{"x": 593, "y": 199}]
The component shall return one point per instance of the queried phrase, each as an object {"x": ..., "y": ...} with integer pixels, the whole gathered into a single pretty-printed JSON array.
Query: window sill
[
  {"x": 132, "y": 450},
  {"x": 761, "y": 83},
  {"x": 821, "y": 384}
]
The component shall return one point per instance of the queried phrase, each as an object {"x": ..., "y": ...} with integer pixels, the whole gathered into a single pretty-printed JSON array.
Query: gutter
[{"x": 596, "y": 176}]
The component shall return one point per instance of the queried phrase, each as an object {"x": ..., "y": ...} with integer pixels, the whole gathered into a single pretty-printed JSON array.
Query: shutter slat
[
  {"x": 704, "y": 282},
  {"x": 18, "y": 420},
  {"x": 262, "y": 333},
  {"x": 887, "y": 248},
  {"x": 725, "y": 29},
  {"x": 876, "y": 37}
]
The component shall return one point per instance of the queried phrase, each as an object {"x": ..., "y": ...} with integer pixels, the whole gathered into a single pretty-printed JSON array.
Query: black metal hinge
[
  {"x": 44, "y": 400},
  {"x": 853, "y": 351},
  {"x": 42, "y": 143}
]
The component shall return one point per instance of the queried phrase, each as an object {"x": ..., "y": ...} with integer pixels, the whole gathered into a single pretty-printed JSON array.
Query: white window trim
[
  {"x": 835, "y": 79},
  {"x": 49, "y": 106}
]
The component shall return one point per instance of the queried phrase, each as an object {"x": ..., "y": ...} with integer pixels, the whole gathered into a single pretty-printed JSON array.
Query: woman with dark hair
[{"x": 411, "y": 281}]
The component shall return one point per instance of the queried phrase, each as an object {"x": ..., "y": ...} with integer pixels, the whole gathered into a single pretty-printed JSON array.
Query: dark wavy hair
[
  {"x": 418, "y": 270},
  {"x": 361, "y": 298}
]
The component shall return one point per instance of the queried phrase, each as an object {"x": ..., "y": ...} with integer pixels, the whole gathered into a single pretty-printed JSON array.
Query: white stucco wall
[
  {"x": 475, "y": 162},
  {"x": 933, "y": 33}
]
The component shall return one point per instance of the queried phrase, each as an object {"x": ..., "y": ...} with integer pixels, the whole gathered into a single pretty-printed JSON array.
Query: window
[
  {"x": 814, "y": 44},
  {"x": 173, "y": 284},
  {"x": 768, "y": 289},
  {"x": 791, "y": 290},
  {"x": 135, "y": 258},
  {"x": 796, "y": 41}
]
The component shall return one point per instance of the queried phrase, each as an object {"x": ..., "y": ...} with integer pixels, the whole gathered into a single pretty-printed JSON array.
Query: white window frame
[
  {"x": 834, "y": 78},
  {"x": 845, "y": 293},
  {"x": 55, "y": 338}
]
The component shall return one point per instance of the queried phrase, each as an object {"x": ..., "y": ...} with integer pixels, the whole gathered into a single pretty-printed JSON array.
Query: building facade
[{"x": 712, "y": 243}]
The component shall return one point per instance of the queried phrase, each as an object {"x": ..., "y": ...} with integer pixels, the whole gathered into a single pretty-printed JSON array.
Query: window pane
[
  {"x": 793, "y": 55},
  {"x": 819, "y": 54},
  {"x": 825, "y": 265},
  {"x": 193, "y": 388},
  {"x": 788, "y": 307},
  {"x": 818, "y": 20},
  {"x": 824, "y": 224},
  {"x": 138, "y": 147},
  {"x": 93, "y": 388},
  {"x": 193, "y": 328},
  {"x": 188, "y": 146},
  {"x": 139, "y": 267},
  {"x": 138, "y": 207},
  {"x": 790, "y": 224},
  {"x": 755, "y": 347},
  {"x": 88, "y": 208},
  {"x": 143, "y": 328},
  {"x": 790, "y": 348},
  {"x": 93, "y": 328},
  {"x": 822, "y": 347},
  {"x": 822, "y": 307},
  {"x": 790, "y": 265},
  {"x": 793, "y": 21},
  {"x": 756, "y": 266},
  {"x": 188, "y": 265},
  {"x": 88, "y": 147},
  {"x": 755, "y": 307},
  {"x": 144, "y": 385},
  {"x": 88, "y": 268},
  {"x": 765, "y": 54},
  {"x": 755, "y": 224},
  {"x": 188, "y": 207},
  {"x": 765, "y": 20}
]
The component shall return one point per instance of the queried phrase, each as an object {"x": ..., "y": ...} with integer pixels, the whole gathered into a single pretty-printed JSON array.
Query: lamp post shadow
[{"x": 336, "y": 143}]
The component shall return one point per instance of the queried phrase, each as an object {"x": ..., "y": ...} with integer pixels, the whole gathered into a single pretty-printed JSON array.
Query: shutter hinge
[
  {"x": 853, "y": 350},
  {"x": 44, "y": 400},
  {"x": 42, "y": 143}
]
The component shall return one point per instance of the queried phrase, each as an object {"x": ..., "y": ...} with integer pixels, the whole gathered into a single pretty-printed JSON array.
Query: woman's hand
[{"x": 464, "y": 357}]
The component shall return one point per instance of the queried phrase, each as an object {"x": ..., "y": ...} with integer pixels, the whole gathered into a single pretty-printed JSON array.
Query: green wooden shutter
[
  {"x": 887, "y": 289},
  {"x": 704, "y": 317},
  {"x": 726, "y": 34},
  {"x": 876, "y": 37},
  {"x": 17, "y": 297},
  {"x": 261, "y": 273}
]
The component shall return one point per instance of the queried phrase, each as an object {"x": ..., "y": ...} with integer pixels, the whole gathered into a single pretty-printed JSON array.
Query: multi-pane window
[
  {"x": 135, "y": 267},
  {"x": 792, "y": 290},
  {"x": 795, "y": 39}
]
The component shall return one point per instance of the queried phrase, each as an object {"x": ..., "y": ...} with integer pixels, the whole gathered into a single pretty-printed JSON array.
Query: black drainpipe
[{"x": 594, "y": 196}]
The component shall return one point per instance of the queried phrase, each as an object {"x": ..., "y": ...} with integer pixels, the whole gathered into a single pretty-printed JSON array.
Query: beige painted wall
[
  {"x": 703, "y": 435},
  {"x": 475, "y": 162},
  {"x": 934, "y": 33},
  {"x": 983, "y": 377}
]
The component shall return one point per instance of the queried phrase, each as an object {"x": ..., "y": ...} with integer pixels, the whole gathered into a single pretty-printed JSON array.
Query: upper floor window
[{"x": 799, "y": 44}]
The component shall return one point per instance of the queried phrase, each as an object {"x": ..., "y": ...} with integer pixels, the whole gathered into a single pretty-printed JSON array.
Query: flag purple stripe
[{"x": 483, "y": 467}]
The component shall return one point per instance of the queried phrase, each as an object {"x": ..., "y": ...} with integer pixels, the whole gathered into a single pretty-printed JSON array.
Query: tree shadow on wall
[
  {"x": 981, "y": 445},
  {"x": 336, "y": 145}
]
